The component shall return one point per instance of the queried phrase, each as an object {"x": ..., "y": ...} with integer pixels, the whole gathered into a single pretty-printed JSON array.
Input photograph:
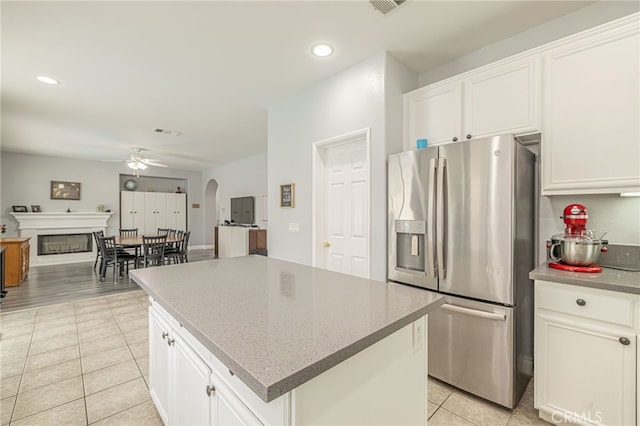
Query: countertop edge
[
  {"x": 602, "y": 282},
  {"x": 270, "y": 392}
]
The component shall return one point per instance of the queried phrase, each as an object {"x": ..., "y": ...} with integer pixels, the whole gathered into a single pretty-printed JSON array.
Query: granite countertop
[
  {"x": 608, "y": 279},
  {"x": 278, "y": 324}
]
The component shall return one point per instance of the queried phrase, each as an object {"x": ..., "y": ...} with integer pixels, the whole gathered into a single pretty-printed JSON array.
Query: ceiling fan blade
[{"x": 153, "y": 163}]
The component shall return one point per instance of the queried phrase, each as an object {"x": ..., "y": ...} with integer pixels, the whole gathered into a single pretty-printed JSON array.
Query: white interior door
[{"x": 344, "y": 233}]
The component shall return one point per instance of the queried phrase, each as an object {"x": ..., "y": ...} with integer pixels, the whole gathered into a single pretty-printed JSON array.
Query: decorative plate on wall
[{"x": 130, "y": 185}]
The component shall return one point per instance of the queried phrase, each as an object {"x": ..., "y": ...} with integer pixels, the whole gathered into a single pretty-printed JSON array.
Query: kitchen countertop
[
  {"x": 278, "y": 324},
  {"x": 608, "y": 279}
]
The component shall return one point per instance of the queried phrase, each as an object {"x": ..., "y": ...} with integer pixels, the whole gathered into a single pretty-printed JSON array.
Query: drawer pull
[
  {"x": 581, "y": 302},
  {"x": 170, "y": 342},
  {"x": 164, "y": 335},
  {"x": 624, "y": 341}
]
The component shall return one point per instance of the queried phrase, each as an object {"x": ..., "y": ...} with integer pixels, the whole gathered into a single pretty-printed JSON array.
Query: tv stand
[{"x": 234, "y": 241}]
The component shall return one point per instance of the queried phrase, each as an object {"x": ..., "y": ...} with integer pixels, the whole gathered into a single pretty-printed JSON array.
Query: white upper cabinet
[
  {"x": 497, "y": 99},
  {"x": 591, "y": 104},
  {"x": 433, "y": 112},
  {"x": 504, "y": 99}
]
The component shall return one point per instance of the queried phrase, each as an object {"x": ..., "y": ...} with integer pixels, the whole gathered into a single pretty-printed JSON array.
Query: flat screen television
[{"x": 242, "y": 210}]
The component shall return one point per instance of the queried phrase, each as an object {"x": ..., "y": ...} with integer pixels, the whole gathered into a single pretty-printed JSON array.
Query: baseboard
[{"x": 201, "y": 247}]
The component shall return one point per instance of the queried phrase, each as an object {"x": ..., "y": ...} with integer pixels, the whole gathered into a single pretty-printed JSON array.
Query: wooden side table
[{"x": 16, "y": 260}]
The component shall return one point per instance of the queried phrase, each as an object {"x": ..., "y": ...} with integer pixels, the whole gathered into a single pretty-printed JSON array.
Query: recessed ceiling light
[
  {"x": 47, "y": 80},
  {"x": 322, "y": 50}
]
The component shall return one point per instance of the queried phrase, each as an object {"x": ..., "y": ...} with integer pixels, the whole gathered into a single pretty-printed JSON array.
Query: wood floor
[{"x": 47, "y": 285}]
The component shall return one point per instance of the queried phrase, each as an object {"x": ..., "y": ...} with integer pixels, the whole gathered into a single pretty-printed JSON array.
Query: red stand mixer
[{"x": 578, "y": 249}]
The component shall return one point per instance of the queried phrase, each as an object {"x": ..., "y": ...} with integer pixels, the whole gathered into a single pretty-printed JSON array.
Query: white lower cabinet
[
  {"x": 585, "y": 354},
  {"x": 183, "y": 385},
  {"x": 158, "y": 361}
]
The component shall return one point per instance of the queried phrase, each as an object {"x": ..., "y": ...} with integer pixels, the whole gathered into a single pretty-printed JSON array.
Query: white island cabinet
[
  {"x": 586, "y": 354},
  {"x": 254, "y": 340}
]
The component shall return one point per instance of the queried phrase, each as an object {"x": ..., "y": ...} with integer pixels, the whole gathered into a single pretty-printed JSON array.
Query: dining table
[{"x": 135, "y": 242}]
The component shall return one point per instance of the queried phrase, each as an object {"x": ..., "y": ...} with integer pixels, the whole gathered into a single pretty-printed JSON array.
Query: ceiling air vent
[{"x": 385, "y": 6}]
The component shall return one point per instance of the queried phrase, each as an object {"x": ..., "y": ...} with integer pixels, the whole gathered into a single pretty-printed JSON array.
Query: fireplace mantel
[
  {"x": 61, "y": 220},
  {"x": 34, "y": 224}
]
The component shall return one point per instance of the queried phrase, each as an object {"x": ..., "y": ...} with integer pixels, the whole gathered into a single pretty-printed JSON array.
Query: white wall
[
  {"x": 26, "y": 180},
  {"x": 351, "y": 100},
  {"x": 246, "y": 177}
]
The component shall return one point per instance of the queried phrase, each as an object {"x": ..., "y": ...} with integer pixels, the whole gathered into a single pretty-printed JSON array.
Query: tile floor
[
  {"x": 86, "y": 362},
  {"x": 77, "y": 363}
]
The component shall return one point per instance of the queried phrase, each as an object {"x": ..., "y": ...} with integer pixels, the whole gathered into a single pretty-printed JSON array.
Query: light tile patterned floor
[
  {"x": 77, "y": 363},
  {"x": 87, "y": 363}
]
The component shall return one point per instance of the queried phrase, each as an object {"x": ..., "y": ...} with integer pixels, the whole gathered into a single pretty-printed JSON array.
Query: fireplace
[
  {"x": 58, "y": 238},
  {"x": 64, "y": 243}
]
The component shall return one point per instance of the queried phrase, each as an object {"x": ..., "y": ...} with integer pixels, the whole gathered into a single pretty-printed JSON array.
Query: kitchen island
[{"x": 259, "y": 340}]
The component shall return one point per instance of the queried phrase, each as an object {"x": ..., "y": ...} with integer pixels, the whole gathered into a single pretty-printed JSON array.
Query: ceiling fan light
[
  {"x": 132, "y": 165},
  {"x": 142, "y": 166}
]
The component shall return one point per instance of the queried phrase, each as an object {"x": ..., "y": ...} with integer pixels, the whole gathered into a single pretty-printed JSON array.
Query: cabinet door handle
[
  {"x": 455, "y": 139},
  {"x": 624, "y": 341},
  {"x": 164, "y": 335},
  {"x": 211, "y": 390},
  {"x": 170, "y": 342},
  {"x": 468, "y": 136},
  {"x": 581, "y": 302}
]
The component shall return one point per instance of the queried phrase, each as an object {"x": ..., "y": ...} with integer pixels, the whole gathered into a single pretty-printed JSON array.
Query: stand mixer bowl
[{"x": 577, "y": 250}]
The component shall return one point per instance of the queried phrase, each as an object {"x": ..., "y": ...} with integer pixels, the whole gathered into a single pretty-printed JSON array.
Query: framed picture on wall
[
  {"x": 288, "y": 195},
  {"x": 36, "y": 209},
  {"x": 65, "y": 190},
  {"x": 20, "y": 209}
]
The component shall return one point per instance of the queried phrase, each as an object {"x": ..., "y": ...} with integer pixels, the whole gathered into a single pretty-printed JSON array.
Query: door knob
[{"x": 326, "y": 244}]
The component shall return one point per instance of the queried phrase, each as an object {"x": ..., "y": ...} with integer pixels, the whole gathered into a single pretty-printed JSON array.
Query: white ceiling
[{"x": 209, "y": 69}]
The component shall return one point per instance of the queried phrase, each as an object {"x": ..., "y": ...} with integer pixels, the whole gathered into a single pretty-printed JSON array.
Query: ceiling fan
[{"x": 137, "y": 163}]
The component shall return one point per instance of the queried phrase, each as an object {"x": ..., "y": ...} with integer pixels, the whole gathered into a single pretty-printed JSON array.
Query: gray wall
[
  {"x": 583, "y": 19},
  {"x": 246, "y": 177},
  {"x": 25, "y": 180},
  {"x": 351, "y": 100}
]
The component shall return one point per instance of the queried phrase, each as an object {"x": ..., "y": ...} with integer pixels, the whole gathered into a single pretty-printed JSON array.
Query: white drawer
[{"x": 599, "y": 305}]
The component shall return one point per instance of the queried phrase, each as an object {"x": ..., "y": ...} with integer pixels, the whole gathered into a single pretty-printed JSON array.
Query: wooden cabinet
[
  {"x": 591, "y": 119},
  {"x": 16, "y": 260},
  {"x": 258, "y": 241},
  {"x": 586, "y": 354},
  {"x": 155, "y": 212},
  {"x": 497, "y": 99}
]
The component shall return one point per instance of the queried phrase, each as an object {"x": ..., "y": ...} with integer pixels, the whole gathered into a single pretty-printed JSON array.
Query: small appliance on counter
[{"x": 578, "y": 249}]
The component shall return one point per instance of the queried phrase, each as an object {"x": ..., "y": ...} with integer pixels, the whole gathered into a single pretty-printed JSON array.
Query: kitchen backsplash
[{"x": 619, "y": 216}]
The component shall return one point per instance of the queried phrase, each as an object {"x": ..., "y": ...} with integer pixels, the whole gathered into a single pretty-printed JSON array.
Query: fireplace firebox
[{"x": 64, "y": 243}]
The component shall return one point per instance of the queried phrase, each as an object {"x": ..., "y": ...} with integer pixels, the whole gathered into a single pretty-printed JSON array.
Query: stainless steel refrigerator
[{"x": 461, "y": 223}]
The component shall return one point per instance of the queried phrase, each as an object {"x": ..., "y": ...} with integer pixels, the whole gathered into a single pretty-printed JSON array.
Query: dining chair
[
  {"x": 163, "y": 231},
  {"x": 179, "y": 253},
  {"x": 153, "y": 248},
  {"x": 97, "y": 234},
  {"x": 133, "y": 232},
  {"x": 111, "y": 256},
  {"x": 130, "y": 233}
]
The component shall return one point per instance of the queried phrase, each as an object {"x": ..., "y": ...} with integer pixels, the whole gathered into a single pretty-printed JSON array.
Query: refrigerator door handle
[
  {"x": 440, "y": 217},
  {"x": 431, "y": 232},
  {"x": 474, "y": 312}
]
